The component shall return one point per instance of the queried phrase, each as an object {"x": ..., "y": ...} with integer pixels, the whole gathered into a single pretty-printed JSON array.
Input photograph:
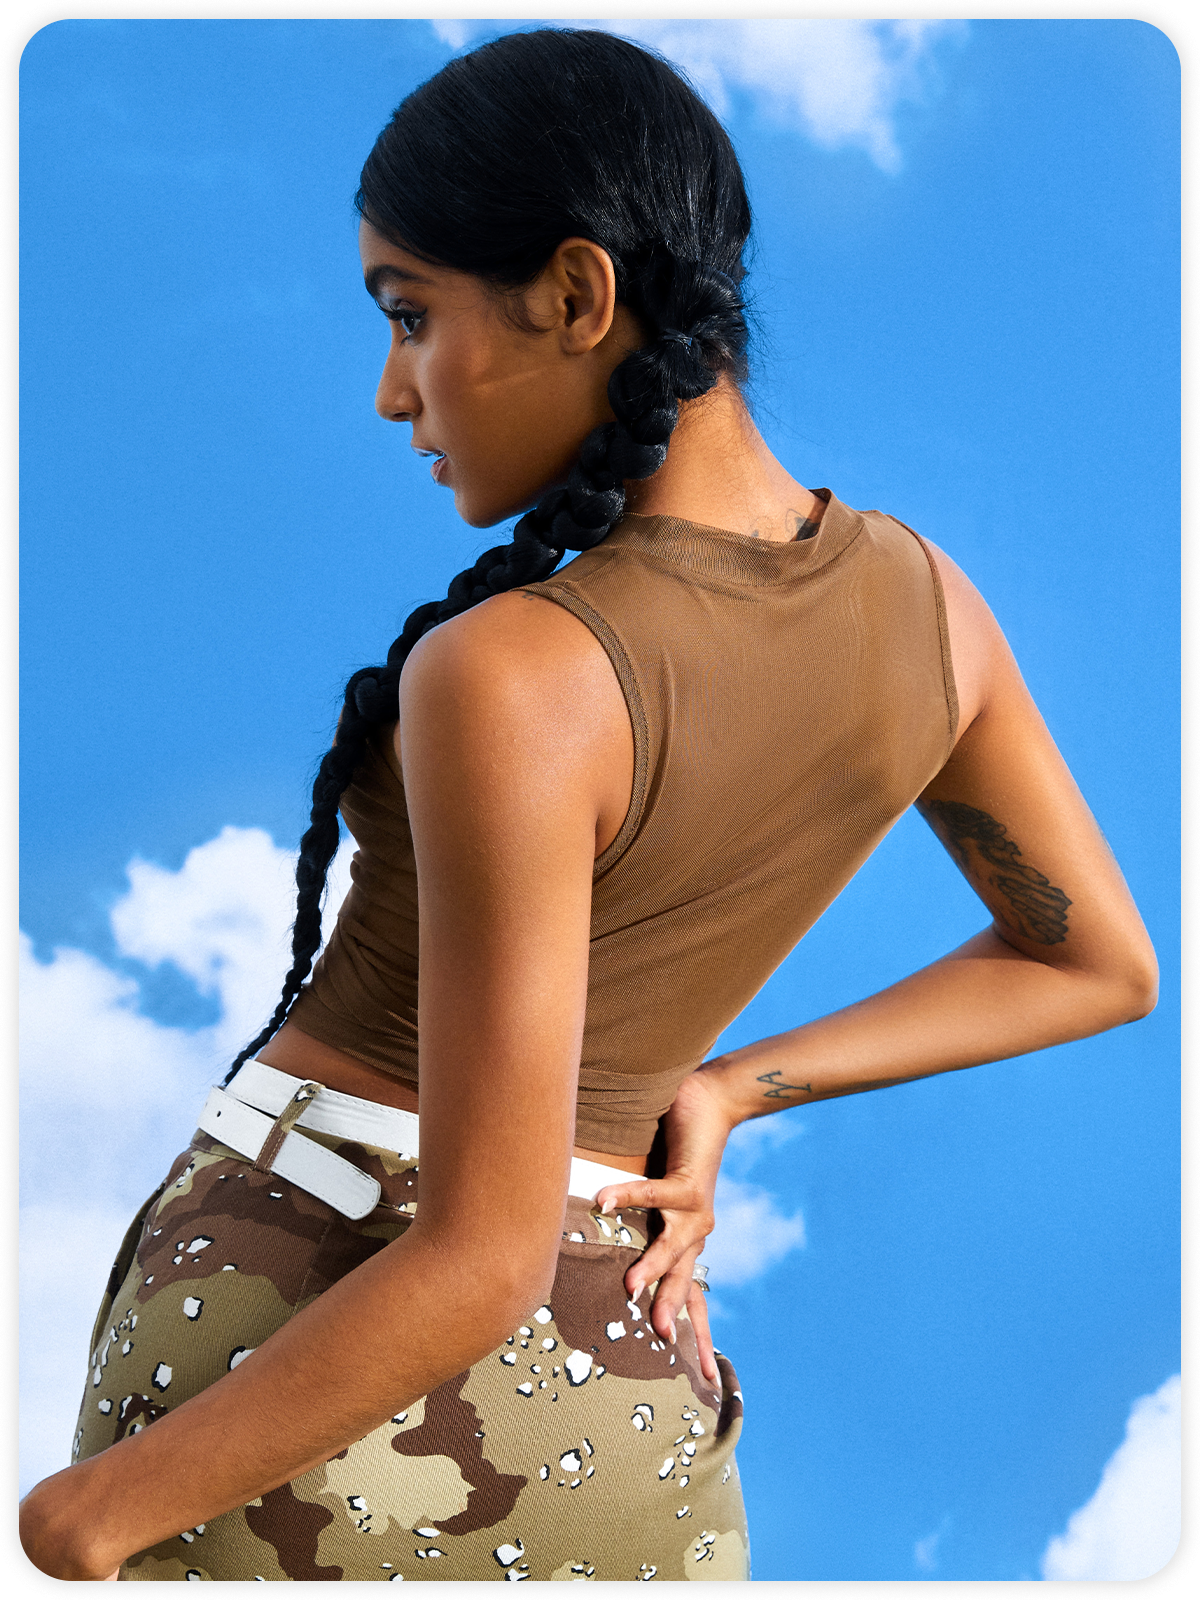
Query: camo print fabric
[{"x": 583, "y": 1448}]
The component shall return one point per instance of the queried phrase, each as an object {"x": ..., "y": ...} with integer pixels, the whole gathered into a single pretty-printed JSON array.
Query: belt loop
[{"x": 282, "y": 1126}]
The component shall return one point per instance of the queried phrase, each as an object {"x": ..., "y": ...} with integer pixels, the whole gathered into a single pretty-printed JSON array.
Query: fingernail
[
  {"x": 636, "y": 1290},
  {"x": 671, "y": 1332},
  {"x": 606, "y": 1208}
]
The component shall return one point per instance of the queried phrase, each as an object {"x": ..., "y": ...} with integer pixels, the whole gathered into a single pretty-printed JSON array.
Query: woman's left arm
[
  {"x": 500, "y": 773},
  {"x": 1066, "y": 954}
]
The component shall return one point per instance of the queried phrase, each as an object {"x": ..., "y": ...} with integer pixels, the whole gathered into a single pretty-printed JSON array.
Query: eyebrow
[{"x": 374, "y": 279}]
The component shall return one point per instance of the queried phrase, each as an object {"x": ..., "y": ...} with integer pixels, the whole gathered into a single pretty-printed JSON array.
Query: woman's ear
[{"x": 578, "y": 295}]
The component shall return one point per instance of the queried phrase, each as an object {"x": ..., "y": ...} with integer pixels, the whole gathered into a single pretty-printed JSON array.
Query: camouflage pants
[{"x": 583, "y": 1448}]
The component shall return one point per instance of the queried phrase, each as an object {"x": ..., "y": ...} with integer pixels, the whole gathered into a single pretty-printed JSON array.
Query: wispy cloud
[
  {"x": 751, "y": 1234},
  {"x": 751, "y": 1141},
  {"x": 1130, "y": 1527},
  {"x": 839, "y": 82},
  {"x": 925, "y": 1551}
]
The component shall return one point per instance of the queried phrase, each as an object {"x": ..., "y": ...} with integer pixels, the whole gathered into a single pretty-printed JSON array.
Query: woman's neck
[{"x": 719, "y": 472}]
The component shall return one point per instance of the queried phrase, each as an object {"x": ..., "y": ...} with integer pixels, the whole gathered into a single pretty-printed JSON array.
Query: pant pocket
[{"x": 122, "y": 1264}]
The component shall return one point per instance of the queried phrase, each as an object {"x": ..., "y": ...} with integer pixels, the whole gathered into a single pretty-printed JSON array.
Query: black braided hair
[{"x": 486, "y": 168}]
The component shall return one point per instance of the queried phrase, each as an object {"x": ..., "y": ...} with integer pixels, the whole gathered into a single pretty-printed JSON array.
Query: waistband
[{"x": 257, "y": 1113}]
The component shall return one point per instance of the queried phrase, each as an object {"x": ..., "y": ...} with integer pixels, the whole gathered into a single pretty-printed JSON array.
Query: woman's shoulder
[
  {"x": 509, "y": 643},
  {"x": 522, "y": 664},
  {"x": 978, "y": 647}
]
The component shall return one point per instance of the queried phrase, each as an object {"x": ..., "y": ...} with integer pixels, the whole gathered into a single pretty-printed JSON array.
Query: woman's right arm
[
  {"x": 1066, "y": 954},
  {"x": 502, "y": 772}
]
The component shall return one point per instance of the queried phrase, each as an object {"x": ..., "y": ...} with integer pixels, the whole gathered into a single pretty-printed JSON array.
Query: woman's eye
[{"x": 410, "y": 321}]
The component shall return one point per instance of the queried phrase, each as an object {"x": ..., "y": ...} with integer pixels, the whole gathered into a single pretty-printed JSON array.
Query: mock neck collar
[{"x": 730, "y": 557}]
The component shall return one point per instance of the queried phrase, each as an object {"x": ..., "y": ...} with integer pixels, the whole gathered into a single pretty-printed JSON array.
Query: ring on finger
[{"x": 700, "y": 1276}]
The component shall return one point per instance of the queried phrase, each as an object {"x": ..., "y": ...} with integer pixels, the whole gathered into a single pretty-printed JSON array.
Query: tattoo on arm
[
  {"x": 1031, "y": 904},
  {"x": 782, "y": 1091}
]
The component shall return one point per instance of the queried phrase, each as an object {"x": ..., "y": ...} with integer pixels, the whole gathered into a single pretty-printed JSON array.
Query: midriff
[{"x": 295, "y": 1052}]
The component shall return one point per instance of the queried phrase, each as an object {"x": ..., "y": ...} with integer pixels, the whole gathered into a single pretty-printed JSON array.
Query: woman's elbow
[
  {"x": 512, "y": 1285},
  {"x": 523, "y": 1285},
  {"x": 1134, "y": 988},
  {"x": 498, "y": 1287},
  {"x": 1144, "y": 990},
  {"x": 539, "y": 1277}
]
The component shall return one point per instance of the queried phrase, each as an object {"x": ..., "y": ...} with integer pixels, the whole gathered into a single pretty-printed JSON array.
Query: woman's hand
[{"x": 697, "y": 1126}]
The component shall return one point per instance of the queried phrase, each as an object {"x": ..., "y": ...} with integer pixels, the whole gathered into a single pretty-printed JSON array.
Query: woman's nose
[{"x": 396, "y": 398}]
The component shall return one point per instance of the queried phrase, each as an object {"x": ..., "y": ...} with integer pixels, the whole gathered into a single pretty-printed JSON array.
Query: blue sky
[{"x": 965, "y": 284}]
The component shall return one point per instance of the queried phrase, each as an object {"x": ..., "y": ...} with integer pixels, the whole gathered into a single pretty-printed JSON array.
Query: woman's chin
[
  {"x": 479, "y": 511},
  {"x": 476, "y": 516}
]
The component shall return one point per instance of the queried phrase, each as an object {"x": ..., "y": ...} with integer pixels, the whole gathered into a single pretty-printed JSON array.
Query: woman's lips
[{"x": 439, "y": 461}]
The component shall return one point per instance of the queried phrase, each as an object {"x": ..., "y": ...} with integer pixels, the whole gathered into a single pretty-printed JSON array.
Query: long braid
[
  {"x": 485, "y": 169},
  {"x": 702, "y": 332}
]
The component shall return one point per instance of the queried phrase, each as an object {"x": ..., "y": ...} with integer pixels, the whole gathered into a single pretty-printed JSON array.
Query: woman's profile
[{"x": 472, "y": 1345}]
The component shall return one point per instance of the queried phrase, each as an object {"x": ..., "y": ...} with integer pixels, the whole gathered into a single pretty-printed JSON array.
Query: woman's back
[{"x": 788, "y": 701}]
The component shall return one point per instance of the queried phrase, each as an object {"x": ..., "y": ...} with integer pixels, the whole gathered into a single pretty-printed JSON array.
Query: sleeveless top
[{"x": 788, "y": 700}]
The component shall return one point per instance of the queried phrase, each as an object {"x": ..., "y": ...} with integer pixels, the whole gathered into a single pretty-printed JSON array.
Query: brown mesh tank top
[{"x": 788, "y": 701}]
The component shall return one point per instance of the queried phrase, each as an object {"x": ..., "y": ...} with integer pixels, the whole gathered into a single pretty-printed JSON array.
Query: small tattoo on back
[
  {"x": 799, "y": 527},
  {"x": 1030, "y": 903}
]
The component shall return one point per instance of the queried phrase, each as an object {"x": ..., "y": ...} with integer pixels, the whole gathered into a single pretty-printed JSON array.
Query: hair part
[{"x": 486, "y": 168}]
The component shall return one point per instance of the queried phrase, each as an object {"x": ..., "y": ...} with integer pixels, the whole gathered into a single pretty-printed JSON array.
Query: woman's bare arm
[
  {"x": 501, "y": 776},
  {"x": 1066, "y": 954}
]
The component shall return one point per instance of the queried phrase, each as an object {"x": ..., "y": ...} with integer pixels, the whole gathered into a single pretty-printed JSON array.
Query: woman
[{"x": 626, "y": 790}]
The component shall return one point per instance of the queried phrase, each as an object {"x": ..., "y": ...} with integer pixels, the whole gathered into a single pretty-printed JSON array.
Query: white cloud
[
  {"x": 750, "y": 1141},
  {"x": 837, "y": 81},
  {"x": 751, "y": 1234},
  {"x": 222, "y": 919},
  {"x": 109, "y": 1096},
  {"x": 67, "y": 1248},
  {"x": 455, "y": 33},
  {"x": 1130, "y": 1527}
]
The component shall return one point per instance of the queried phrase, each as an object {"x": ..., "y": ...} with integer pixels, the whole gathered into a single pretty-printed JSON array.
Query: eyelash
[{"x": 415, "y": 317}]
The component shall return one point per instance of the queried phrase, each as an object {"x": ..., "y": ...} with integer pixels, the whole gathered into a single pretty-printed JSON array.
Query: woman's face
[{"x": 502, "y": 410}]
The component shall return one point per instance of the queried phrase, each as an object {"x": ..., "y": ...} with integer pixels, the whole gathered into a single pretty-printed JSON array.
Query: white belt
[{"x": 256, "y": 1115}]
